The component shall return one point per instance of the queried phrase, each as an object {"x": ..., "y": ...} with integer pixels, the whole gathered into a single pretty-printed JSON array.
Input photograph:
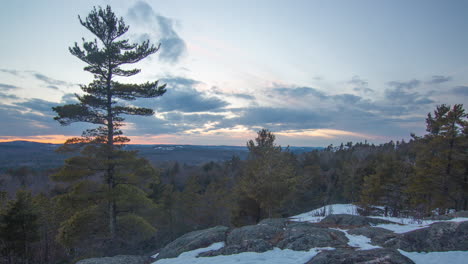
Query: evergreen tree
[
  {"x": 441, "y": 162},
  {"x": 19, "y": 228},
  {"x": 102, "y": 104},
  {"x": 269, "y": 175}
]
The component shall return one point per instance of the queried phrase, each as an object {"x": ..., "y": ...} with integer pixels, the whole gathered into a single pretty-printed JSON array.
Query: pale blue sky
[{"x": 314, "y": 72}]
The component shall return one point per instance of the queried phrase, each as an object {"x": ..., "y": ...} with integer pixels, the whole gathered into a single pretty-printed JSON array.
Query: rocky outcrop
[
  {"x": 194, "y": 240},
  {"x": 353, "y": 220},
  {"x": 279, "y": 233},
  {"x": 374, "y": 256},
  {"x": 121, "y": 259},
  {"x": 304, "y": 236},
  {"x": 443, "y": 236}
]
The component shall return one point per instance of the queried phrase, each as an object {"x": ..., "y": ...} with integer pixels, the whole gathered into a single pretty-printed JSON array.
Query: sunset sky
[{"x": 313, "y": 72}]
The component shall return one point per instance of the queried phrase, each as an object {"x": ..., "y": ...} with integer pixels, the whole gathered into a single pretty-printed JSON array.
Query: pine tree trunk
[{"x": 110, "y": 166}]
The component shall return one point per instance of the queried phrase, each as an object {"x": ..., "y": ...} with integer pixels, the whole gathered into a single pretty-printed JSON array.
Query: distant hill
[{"x": 43, "y": 156}]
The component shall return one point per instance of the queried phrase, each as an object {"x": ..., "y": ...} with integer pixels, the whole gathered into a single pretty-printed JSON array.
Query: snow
[
  {"x": 358, "y": 241},
  {"x": 275, "y": 256},
  {"x": 279, "y": 256},
  {"x": 452, "y": 257},
  {"x": 317, "y": 215},
  {"x": 408, "y": 224}
]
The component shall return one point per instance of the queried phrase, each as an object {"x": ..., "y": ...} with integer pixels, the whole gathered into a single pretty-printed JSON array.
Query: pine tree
[
  {"x": 269, "y": 175},
  {"x": 19, "y": 228},
  {"x": 102, "y": 104},
  {"x": 441, "y": 162}
]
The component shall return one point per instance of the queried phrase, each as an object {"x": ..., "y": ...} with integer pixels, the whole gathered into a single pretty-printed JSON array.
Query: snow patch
[
  {"x": 409, "y": 224},
  {"x": 275, "y": 256},
  {"x": 452, "y": 257},
  {"x": 317, "y": 215},
  {"x": 358, "y": 241}
]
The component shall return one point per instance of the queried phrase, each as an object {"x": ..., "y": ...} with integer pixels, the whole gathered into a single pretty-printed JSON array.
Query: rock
[
  {"x": 377, "y": 235},
  {"x": 193, "y": 240},
  {"x": 263, "y": 231},
  {"x": 254, "y": 245},
  {"x": 439, "y": 217},
  {"x": 461, "y": 214},
  {"x": 275, "y": 222},
  {"x": 279, "y": 233},
  {"x": 442, "y": 236},
  {"x": 304, "y": 236},
  {"x": 348, "y": 256},
  {"x": 353, "y": 220},
  {"x": 121, "y": 259}
]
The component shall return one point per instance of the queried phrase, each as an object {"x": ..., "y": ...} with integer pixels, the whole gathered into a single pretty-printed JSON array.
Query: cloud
[
  {"x": 10, "y": 71},
  {"x": 179, "y": 81},
  {"x": 173, "y": 47},
  {"x": 360, "y": 85},
  {"x": 8, "y": 96},
  {"x": 4, "y": 86},
  {"x": 460, "y": 90},
  {"x": 182, "y": 96},
  {"x": 402, "y": 97},
  {"x": 52, "y": 83},
  {"x": 244, "y": 96},
  {"x": 275, "y": 118},
  {"x": 437, "y": 79},
  {"x": 53, "y": 87},
  {"x": 299, "y": 92},
  {"x": 188, "y": 100},
  {"x": 26, "y": 119},
  {"x": 38, "y": 106},
  {"x": 404, "y": 85}
]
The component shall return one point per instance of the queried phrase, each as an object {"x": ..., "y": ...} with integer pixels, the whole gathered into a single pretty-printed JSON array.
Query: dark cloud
[
  {"x": 53, "y": 87},
  {"x": 243, "y": 96},
  {"x": 188, "y": 100},
  {"x": 171, "y": 123},
  {"x": 347, "y": 98},
  {"x": 401, "y": 97},
  {"x": 52, "y": 83},
  {"x": 404, "y": 85},
  {"x": 357, "y": 81},
  {"x": 69, "y": 98},
  {"x": 360, "y": 85},
  {"x": 460, "y": 90},
  {"x": 173, "y": 47},
  {"x": 34, "y": 117},
  {"x": 277, "y": 118},
  {"x": 436, "y": 79},
  {"x": 4, "y": 86},
  {"x": 8, "y": 96},
  {"x": 38, "y": 105},
  {"x": 299, "y": 92},
  {"x": 182, "y": 96}
]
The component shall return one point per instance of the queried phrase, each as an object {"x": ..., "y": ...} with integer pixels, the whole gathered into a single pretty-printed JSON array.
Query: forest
[
  {"x": 425, "y": 176},
  {"x": 106, "y": 200}
]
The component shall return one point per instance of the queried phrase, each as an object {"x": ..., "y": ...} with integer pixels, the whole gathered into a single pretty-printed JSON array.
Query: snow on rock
[
  {"x": 357, "y": 241},
  {"x": 409, "y": 224},
  {"x": 275, "y": 256},
  {"x": 317, "y": 215},
  {"x": 452, "y": 257}
]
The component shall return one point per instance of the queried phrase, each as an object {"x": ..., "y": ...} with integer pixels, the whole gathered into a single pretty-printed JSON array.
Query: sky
[{"x": 314, "y": 73}]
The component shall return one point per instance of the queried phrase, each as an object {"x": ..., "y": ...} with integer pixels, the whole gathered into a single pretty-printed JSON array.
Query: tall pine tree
[{"x": 103, "y": 104}]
